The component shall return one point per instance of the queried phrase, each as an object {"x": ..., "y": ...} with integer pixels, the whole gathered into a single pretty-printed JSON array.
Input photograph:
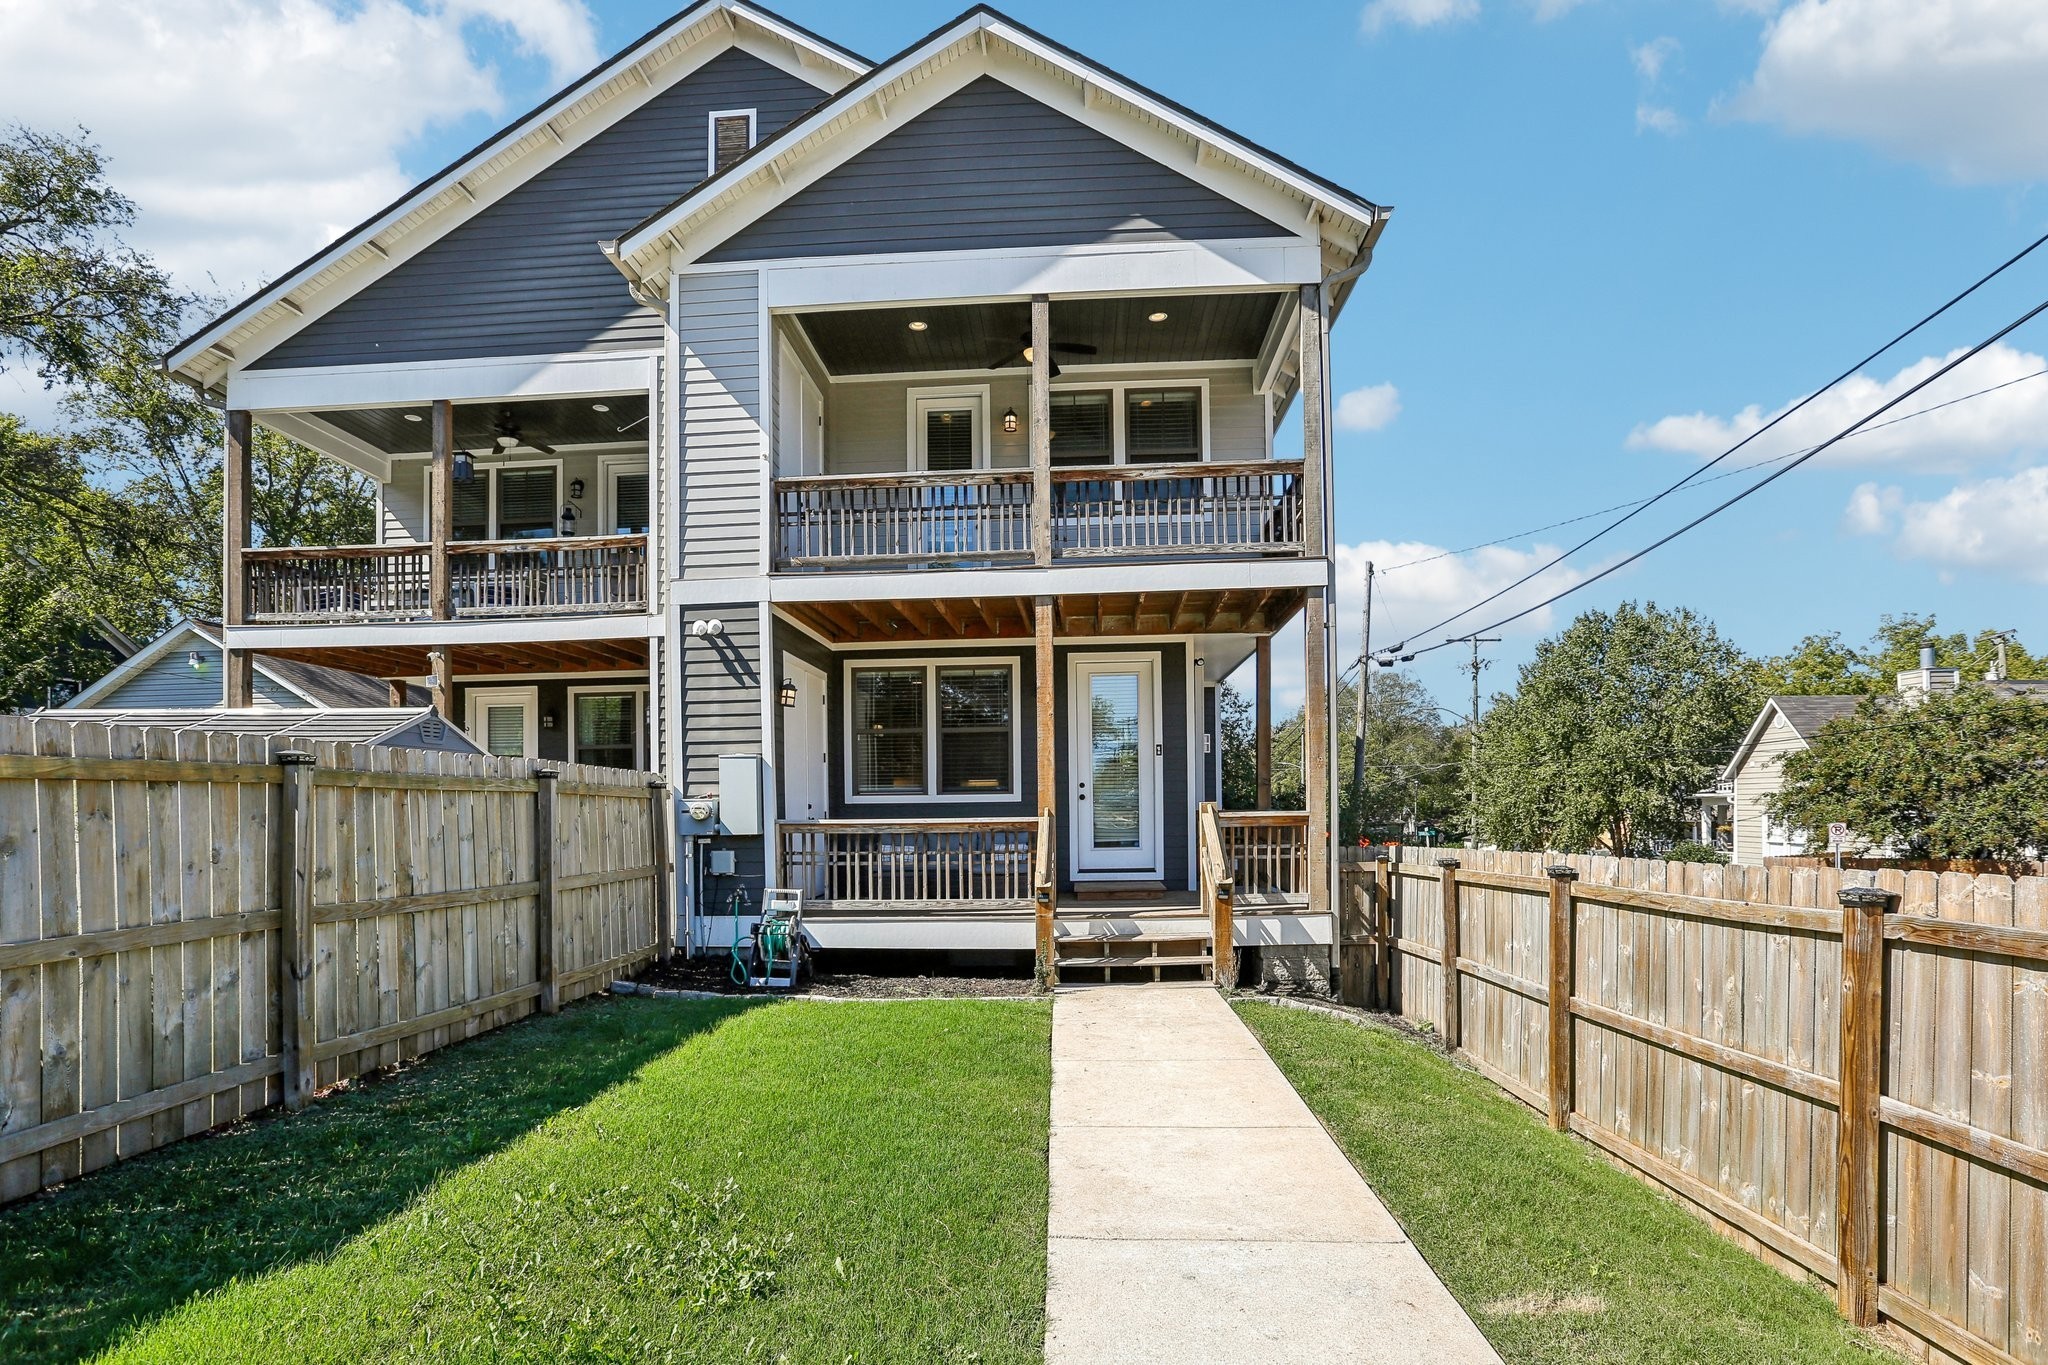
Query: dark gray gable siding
[
  {"x": 525, "y": 276},
  {"x": 990, "y": 167}
]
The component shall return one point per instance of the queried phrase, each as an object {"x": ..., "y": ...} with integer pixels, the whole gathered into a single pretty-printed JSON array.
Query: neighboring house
[
  {"x": 884, "y": 451},
  {"x": 1786, "y": 725},
  {"x": 182, "y": 668},
  {"x": 378, "y": 727}
]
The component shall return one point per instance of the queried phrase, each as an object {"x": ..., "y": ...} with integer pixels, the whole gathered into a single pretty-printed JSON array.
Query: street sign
[{"x": 1838, "y": 837}]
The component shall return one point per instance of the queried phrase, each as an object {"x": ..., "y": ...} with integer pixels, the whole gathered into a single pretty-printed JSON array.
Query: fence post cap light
[
  {"x": 294, "y": 758},
  {"x": 546, "y": 774},
  {"x": 1562, "y": 873},
  {"x": 1864, "y": 897}
]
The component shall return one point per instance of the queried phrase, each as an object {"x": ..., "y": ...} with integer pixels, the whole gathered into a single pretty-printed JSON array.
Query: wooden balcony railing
[
  {"x": 565, "y": 576},
  {"x": 984, "y": 517},
  {"x": 1267, "y": 852},
  {"x": 911, "y": 864},
  {"x": 824, "y": 521}
]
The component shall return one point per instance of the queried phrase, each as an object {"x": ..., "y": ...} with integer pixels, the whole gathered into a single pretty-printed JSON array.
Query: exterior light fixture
[
  {"x": 576, "y": 490},
  {"x": 786, "y": 694},
  {"x": 568, "y": 521},
  {"x": 196, "y": 660},
  {"x": 549, "y": 719},
  {"x": 1155, "y": 317},
  {"x": 919, "y": 325},
  {"x": 1010, "y": 421},
  {"x": 464, "y": 467},
  {"x": 414, "y": 417},
  {"x": 600, "y": 407},
  {"x": 1028, "y": 357}
]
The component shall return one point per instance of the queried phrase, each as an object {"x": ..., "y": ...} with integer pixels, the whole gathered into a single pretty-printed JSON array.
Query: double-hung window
[
  {"x": 1163, "y": 426},
  {"x": 504, "y": 502},
  {"x": 609, "y": 727},
  {"x": 933, "y": 729}
]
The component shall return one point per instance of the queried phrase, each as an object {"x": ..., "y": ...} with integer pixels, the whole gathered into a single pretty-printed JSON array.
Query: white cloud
[
  {"x": 1415, "y": 13},
  {"x": 1955, "y": 84},
  {"x": 1652, "y": 56},
  {"x": 1658, "y": 118},
  {"x": 1997, "y": 526},
  {"x": 1368, "y": 409},
  {"x": 1993, "y": 426},
  {"x": 252, "y": 132}
]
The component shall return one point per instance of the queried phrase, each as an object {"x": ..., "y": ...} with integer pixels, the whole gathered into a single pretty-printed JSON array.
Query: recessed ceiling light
[
  {"x": 600, "y": 407},
  {"x": 919, "y": 325},
  {"x": 414, "y": 417},
  {"x": 1155, "y": 317}
]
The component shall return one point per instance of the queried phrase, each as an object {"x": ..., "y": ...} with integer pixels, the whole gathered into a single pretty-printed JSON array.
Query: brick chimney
[{"x": 1917, "y": 684}]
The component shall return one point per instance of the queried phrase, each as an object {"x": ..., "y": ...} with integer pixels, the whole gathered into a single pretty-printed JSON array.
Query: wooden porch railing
[
  {"x": 1267, "y": 851},
  {"x": 1253, "y": 507},
  {"x": 837, "y": 519},
  {"x": 1045, "y": 890},
  {"x": 561, "y": 576},
  {"x": 923, "y": 864},
  {"x": 1219, "y": 893}
]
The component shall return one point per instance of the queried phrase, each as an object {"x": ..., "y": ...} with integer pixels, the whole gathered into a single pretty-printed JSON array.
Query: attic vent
[
  {"x": 431, "y": 730},
  {"x": 732, "y": 135}
]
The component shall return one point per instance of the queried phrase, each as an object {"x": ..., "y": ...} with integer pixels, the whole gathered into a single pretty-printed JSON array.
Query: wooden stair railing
[
  {"x": 1219, "y": 895},
  {"x": 1045, "y": 893}
]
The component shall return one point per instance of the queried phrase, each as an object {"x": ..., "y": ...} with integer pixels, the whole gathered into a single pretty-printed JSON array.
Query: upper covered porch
[{"x": 1132, "y": 427}]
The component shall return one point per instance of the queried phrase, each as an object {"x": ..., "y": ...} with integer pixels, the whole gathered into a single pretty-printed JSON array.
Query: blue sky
[{"x": 1612, "y": 217}]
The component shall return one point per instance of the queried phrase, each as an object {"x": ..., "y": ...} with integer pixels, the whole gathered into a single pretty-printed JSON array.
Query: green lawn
[
  {"x": 1557, "y": 1255},
  {"x": 634, "y": 1180}
]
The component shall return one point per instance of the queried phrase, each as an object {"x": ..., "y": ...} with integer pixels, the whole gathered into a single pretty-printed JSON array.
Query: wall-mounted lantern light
[
  {"x": 196, "y": 661},
  {"x": 569, "y": 521},
  {"x": 1010, "y": 421},
  {"x": 464, "y": 469},
  {"x": 549, "y": 719},
  {"x": 786, "y": 693},
  {"x": 576, "y": 490}
]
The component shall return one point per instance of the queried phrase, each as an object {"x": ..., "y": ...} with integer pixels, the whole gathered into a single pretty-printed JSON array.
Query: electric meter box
[
  {"x": 739, "y": 794},
  {"x": 697, "y": 817}
]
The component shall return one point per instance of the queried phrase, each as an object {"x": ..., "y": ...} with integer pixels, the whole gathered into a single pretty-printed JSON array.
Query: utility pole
[
  {"x": 1364, "y": 698},
  {"x": 1472, "y": 747}
]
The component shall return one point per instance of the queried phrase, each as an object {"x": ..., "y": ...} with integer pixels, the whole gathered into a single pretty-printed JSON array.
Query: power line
[
  {"x": 1652, "y": 501},
  {"x": 1765, "y": 481}
]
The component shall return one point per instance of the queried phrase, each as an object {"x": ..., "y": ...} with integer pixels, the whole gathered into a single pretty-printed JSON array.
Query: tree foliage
[
  {"x": 1958, "y": 775},
  {"x": 1613, "y": 726},
  {"x": 1825, "y": 665}
]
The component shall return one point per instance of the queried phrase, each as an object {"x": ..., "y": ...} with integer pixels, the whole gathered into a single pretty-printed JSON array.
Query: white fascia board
[
  {"x": 1096, "y": 268},
  {"x": 1749, "y": 741},
  {"x": 332, "y": 442},
  {"x": 851, "y": 122},
  {"x": 771, "y": 40},
  {"x": 367, "y": 386},
  {"x": 1198, "y": 575},
  {"x": 430, "y": 634}
]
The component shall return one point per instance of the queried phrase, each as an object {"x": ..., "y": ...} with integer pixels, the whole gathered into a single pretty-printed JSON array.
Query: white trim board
[
  {"x": 427, "y": 634},
  {"x": 593, "y": 374}
]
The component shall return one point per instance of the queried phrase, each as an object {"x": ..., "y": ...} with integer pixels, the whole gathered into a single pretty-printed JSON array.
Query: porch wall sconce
[
  {"x": 196, "y": 660},
  {"x": 786, "y": 694},
  {"x": 549, "y": 719},
  {"x": 1010, "y": 421},
  {"x": 463, "y": 468},
  {"x": 576, "y": 490}
]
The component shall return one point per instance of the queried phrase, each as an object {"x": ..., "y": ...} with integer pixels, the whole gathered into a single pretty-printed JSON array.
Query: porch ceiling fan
[
  {"x": 507, "y": 436},
  {"x": 1022, "y": 354}
]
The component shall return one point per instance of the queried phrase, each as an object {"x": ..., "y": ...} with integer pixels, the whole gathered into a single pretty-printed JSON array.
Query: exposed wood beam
[
  {"x": 920, "y": 621},
  {"x": 951, "y": 613},
  {"x": 1262, "y": 721}
]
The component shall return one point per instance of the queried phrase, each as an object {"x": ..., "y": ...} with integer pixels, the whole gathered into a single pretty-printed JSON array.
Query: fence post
[
  {"x": 1447, "y": 1024},
  {"x": 1355, "y": 934},
  {"x": 295, "y": 983},
  {"x": 544, "y": 898},
  {"x": 1857, "y": 1140},
  {"x": 1563, "y": 966},
  {"x": 1383, "y": 929},
  {"x": 660, "y": 808}
]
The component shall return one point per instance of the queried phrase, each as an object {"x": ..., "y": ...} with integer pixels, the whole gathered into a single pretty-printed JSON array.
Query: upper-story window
[
  {"x": 732, "y": 136},
  {"x": 949, "y": 429},
  {"x": 1083, "y": 427},
  {"x": 515, "y": 502},
  {"x": 1162, "y": 426}
]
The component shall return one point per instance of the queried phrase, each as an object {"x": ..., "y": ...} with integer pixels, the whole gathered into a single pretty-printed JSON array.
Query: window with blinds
[
  {"x": 527, "y": 503},
  {"x": 1162, "y": 426},
  {"x": 731, "y": 137},
  {"x": 472, "y": 509},
  {"x": 629, "y": 505},
  {"x": 505, "y": 730},
  {"x": 889, "y": 731},
  {"x": 974, "y": 731},
  {"x": 1081, "y": 428},
  {"x": 608, "y": 729},
  {"x": 949, "y": 439}
]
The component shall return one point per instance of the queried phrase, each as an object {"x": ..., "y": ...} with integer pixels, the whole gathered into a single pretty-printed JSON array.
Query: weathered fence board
[
  {"x": 1705, "y": 1013},
  {"x": 147, "y": 925}
]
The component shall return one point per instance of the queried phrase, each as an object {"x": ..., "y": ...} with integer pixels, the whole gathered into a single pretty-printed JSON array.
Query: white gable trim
[
  {"x": 984, "y": 44},
  {"x": 611, "y": 92},
  {"x": 179, "y": 636},
  {"x": 1755, "y": 736}
]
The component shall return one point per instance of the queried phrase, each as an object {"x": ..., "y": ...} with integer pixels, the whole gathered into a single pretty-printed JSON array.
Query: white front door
[
  {"x": 1114, "y": 803},
  {"x": 802, "y": 779}
]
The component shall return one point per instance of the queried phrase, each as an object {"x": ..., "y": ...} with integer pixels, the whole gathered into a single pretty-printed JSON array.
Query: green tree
[
  {"x": 1240, "y": 756},
  {"x": 1823, "y": 664},
  {"x": 1413, "y": 762},
  {"x": 1959, "y": 775},
  {"x": 1612, "y": 727}
]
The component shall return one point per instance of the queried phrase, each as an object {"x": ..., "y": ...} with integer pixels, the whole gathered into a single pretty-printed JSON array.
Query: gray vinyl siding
[
  {"x": 720, "y": 705},
  {"x": 172, "y": 681},
  {"x": 867, "y": 424},
  {"x": 525, "y": 276},
  {"x": 987, "y": 168},
  {"x": 718, "y": 332}
]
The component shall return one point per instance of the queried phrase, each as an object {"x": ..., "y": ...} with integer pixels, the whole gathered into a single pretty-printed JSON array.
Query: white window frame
[
  {"x": 945, "y": 398},
  {"x": 711, "y": 135},
  {"x": 1117, "y": 388},
  {"x": 639, "y": 691},
  {"x": 609, "y": 468},
  {"x": 526, "y": 697},
  {"x": 931, "y": 664},
  {"x": 488, "y": 473}
]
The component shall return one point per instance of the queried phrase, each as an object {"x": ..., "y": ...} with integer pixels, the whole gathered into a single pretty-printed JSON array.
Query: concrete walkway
[{"x": 1199, "y": 1211}]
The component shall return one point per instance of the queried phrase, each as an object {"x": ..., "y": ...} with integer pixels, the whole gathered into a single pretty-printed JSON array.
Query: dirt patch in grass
[{"x": 858, "y": 976}]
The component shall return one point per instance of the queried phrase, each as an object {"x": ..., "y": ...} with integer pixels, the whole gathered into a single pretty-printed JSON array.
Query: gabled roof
[
  {"x": 318, "y": 687},
  {"x": 1804, "y": 714},
  {"x": 1339, "y": 213},
  {"x": 582, "y": 108}
]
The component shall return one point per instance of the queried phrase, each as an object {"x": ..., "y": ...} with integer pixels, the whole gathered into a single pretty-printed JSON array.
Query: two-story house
[{"x": 883, "y": 451}]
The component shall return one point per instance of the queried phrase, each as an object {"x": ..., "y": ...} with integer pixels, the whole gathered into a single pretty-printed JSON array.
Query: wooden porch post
[
  {"x": 399, "y": 693},
  {"x": 1048, "y": 778},
  {"x": 1314, "y": 467},
  {"x": 1315, "y": 742},
  {"x": 1041, "y": 429},
  {"x": 444, "y": 684},
  {"x": 442, "y": 512},
  {"x": 1262, "y": 720},
  {"x": 238, "y": 469}
]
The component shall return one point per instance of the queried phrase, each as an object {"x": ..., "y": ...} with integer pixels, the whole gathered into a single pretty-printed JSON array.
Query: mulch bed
[{"x": 901, "y": 976}]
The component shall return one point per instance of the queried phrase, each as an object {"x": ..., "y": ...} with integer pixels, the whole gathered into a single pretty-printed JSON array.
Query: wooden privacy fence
[
  {"x": 195, "y": 926},
  {"x": 1849, "y": 1079}
]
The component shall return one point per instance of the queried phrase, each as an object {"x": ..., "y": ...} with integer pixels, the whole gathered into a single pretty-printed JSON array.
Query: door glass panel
[
  {"x": 948, "y": 439},
  {"x": 629, "y": 511},
  {"x": 1113, "y": 759},
  {"x": 526, "y": 503},
  {"x": 505, "y": 730}
]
